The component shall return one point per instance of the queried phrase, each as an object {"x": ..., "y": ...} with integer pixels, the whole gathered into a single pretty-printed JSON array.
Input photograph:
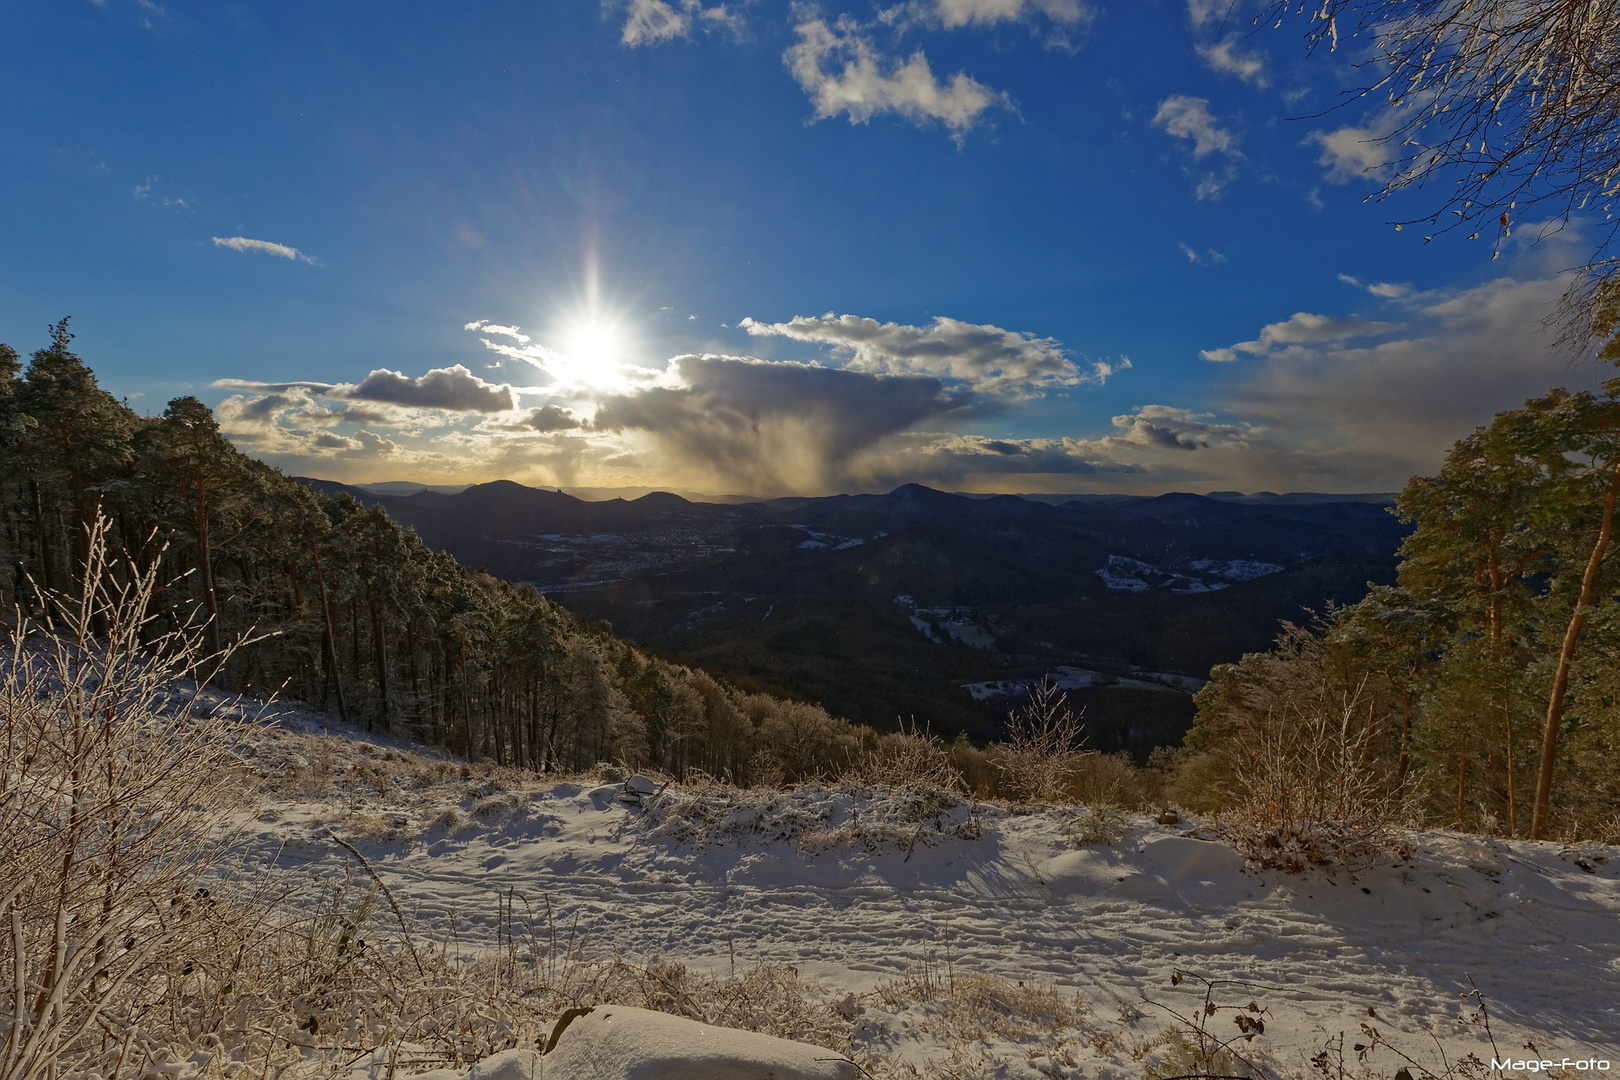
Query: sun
[
  {"x": 591, "y": 358},
  {"x": 593, "y": 342}
]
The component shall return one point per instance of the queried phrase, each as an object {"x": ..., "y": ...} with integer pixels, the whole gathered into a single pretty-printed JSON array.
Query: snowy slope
[{"x": 864, "y": 902}]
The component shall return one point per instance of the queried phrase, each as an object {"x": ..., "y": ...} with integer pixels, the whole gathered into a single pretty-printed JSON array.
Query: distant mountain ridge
[
  {"x": 500, "y": 526},
  {"x": 597, "y": 494}
]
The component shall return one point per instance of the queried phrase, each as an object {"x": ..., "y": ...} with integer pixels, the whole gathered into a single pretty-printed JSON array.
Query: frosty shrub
[
  {"x": 113, "y": 792},
  {"x": 1112, "y": 780},
  {"x": 1095, "y": 823},
  {"x": 901, "y": 791},
  {"x": 1039, "y": 758},
  {"x": 1312, "y": 790},
  {"x": 816, "y": 817},
  {"x": 911, "y": 758},
  {"x": 795, "y": 741},
  {"x": 973, "y": 1006}
]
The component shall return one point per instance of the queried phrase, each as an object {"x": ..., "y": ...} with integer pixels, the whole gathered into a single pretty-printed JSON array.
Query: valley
[{"x": 929, "y": 607}]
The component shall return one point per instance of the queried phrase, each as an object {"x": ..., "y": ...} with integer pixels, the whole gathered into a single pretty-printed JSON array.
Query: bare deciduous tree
[{"x": 1513, "y": 104}]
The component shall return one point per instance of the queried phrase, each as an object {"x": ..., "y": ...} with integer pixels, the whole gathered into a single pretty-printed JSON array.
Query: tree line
[{"x": 344, "y": 609}]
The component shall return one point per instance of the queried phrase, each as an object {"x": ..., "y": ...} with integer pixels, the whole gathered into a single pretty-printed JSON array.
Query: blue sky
[{"x": 1016, "y": 245}]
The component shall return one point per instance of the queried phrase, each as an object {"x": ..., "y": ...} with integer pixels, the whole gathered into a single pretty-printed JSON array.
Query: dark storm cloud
[
  {"x": 774, "y": 426},
  {"x": 546, "y": 418},
  {"x": 454, "y": 388}
]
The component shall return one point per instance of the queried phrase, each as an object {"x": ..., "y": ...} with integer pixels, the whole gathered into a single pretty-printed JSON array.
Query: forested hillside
[{"x": 347, "y": 610}]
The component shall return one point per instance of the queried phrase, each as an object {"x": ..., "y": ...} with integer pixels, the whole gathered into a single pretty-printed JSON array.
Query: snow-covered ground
[
  {"x": 1096, "y": 914},
  {"x": 1124, "y": 574},
  {"x": 1069, "y": 677}
]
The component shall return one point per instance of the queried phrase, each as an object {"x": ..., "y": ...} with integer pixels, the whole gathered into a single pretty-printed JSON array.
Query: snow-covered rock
[{"x": 616, "y": 1042}]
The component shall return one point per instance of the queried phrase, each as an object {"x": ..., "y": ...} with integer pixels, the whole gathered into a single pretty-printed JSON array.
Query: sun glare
[
  {"x": 591, "y": 357},
  {"x": 593, "y": 342}
]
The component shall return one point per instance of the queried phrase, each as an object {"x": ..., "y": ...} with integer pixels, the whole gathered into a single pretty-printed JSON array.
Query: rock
[
  {"x": 1169, "y": 817},
  {"x": 616, "y": 1042},
  {"x": 510, "y": 1065},
  {"x": 638, "y": 789}
]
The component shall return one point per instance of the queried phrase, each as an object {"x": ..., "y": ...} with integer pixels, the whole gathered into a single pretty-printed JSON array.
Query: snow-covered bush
[
  {"x": 912, "y": 758},
  {"x": 1314, "y": 793},
  {"x": 872, "y": 816},
  {"x": 1042, "y": 751}
]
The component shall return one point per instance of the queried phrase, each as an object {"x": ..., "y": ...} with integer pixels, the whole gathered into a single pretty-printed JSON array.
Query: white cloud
[
  {"x": 657, "y": 22},
  {"x": 544, "y": 419},
  {"x": 1367, "y": 152},
  {"x": 1205, "y": 13},
  {"x": 955, "y": 13},
  {"x": 1207, "y": 257},
  {"x": 1320, "y": 410},
  {"x": 987, "y": 464},
  {"x": 575, "y": 375},
  {"x": 1060, "y": 18},
  {"x": 1301, "y": 327},
  {"x": 1187, "y": 117},
  {"x": 771, "y": 426},
  {"x": 842, "y": 71},
  {"x": 1384, "y": 290},
  {"x": 487, "y": 327},
  {"x": 1225, "y": 58},
  {"x": 268, "y": 247},
  {"x": 1369, "y": 416},
  {"x": 453, "y": 389},
  {"x": 1006, "y": 364}
]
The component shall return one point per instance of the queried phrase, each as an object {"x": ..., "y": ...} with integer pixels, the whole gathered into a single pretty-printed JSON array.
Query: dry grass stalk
[{"x": 113, "y": 792}]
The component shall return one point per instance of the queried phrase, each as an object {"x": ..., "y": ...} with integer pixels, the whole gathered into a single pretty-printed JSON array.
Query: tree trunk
[
  {"x": 1555, "y": 700},
  {"x": 416, "y": 682},
  {"x": 466, "y": 701},
  {"x": 329, "y": 638},
  {"x": 1512, "y": 790},
  {"x": 37, "y": 505},
  {"x": 1462, "y": 788},
  {"x": 205, "y": 571},
  {"x": 379, "y": 651},
  {"x": 297, "y": 590}
]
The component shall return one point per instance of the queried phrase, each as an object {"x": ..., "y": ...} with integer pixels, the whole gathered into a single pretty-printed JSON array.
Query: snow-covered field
[{"x": 926, "y": 924}]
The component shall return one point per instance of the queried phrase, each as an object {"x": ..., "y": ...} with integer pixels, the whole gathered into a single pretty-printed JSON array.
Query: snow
[
  {"x": 619, "y": 1042},
  {"x": 1235, "y": 569},
  {"x": 842, "y": 886},
  {"x": 616, "y": 1042},
  {"x": 1120, "y": 575},
  {"x": 827, "y": 541},
  {"x": 1069, "y": 677},
  {"x": 1123, "y": 574}
]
